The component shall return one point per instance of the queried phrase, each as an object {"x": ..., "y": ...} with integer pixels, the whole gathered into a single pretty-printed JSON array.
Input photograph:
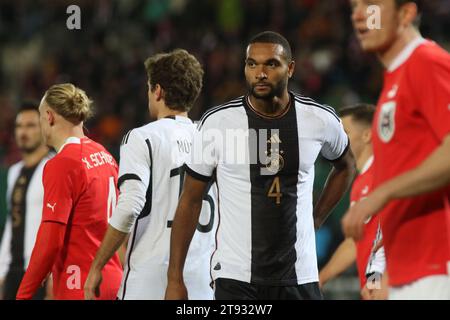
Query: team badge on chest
[{"x": 386, "y": 121}]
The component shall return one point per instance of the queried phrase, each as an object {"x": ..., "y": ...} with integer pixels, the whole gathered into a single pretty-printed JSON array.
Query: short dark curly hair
[
  {"x": 274, "y": 37},
  {"x": 179, "y": 74}
]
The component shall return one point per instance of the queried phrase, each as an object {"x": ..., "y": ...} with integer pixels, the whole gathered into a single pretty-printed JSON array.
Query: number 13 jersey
[{"x": 151, "y": 175}]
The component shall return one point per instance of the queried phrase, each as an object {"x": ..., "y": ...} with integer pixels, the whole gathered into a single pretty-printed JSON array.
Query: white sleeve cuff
[{"x": 129, "y": 206}]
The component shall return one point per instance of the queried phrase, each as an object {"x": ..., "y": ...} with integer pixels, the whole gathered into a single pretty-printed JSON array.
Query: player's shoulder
[
  {"x": 323, "y": 112},
  {"x": 16, "y": 166},
  {"x": 141, "y": 136},
  {"x": 63, "y": 162},
  {"x": 217, "y": 112},
  {"x": 14, "y": 169},
  {"x": 137, "y": 135},
  {"x": 70, "y": 155},
  {"x": 427, "y": 54}
]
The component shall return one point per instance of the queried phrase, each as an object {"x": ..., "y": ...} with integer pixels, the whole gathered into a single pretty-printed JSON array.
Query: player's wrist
[
  {"x": 174, "y": 277},
  {"x": 96, "y": 266},
  {"x": 383, "y": 195}
]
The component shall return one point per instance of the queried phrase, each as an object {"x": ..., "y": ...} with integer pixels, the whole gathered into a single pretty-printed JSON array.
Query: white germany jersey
[
  {"x": 264, "y": 171},
  {"x": 153, "y": 157}
]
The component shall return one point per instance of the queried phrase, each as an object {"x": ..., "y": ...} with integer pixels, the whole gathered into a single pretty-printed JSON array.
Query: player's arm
[
  {"x": 49, "y": 289},
  {"x": 183, "y": 228},
  {"x": 341, "y": 260},
  {"x": 61, "y": 179},
  {"x": 5, "y": 241},
  {"x": 111, "y": 243},
  {"x": 134, "y": 175},
  {"x": 431, "y": 93},
  {"x": 433, "y": 173},
  {"x": 49, "y": 241},
  {"x": 5, "y": 249},
  {"x": 338, "y": 182},
  {"x": 122, "y": 251},
  {"x": 130, "y": 204}
]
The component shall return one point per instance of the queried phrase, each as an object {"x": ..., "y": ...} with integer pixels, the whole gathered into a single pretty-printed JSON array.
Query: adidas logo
[
  {"x": 218, "y": 266},
  {"x": 274, "y": 139}
]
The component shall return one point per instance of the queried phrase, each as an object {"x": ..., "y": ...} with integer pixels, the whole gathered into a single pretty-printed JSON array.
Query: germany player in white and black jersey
[
  {"x": 261, "y": 149},
  {"x": 25, "y": 196},
  {"x": 151, "y": 176}
]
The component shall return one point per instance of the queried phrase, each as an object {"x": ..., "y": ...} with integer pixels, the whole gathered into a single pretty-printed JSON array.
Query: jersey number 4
[{"x": 275, "y": 190}]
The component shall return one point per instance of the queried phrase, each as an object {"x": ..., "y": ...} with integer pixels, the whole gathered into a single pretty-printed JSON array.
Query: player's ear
[
  {"x": 291, "y": 68},
  {"x": 159, "y": 92},
  {"x": 408, "y": 13},
  {"x": 367, "y": 135},
  {"x": 50, "y": 115}
]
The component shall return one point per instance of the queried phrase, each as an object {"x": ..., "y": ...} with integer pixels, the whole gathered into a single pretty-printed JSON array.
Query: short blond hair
[{"x": 70, "y": 102}]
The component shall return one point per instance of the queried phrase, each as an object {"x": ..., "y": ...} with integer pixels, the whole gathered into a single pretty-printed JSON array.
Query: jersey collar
[
  {"x": 405, "y": 53},
  {"x": 367, "y": 165},
  {"x": 68, "y": 141},
  {"x": 287, "y": 108},
  {"x": 179, "y": 118}
]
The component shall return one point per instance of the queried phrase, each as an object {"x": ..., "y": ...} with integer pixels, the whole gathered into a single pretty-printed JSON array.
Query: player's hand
[
  {"x": 176, "y": 291},
  {"x": 2, "y": 280},
  {"x": 322, "y": 280},
  {"x": 366, "y": 293},
  {"x": 383, "y": 292},
  {"x": 356, "y": 216},
  {"x": 49, "y": 289},
  {"x": 92, "y": 284}
]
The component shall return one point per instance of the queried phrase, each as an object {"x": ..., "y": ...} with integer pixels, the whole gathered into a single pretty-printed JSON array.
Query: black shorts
[
  {"x": 229, "y": 289},
  {"x": 12, "y": 283}
]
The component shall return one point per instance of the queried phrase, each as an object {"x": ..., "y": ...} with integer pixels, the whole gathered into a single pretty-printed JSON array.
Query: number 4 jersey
[
  {"x": 265, "y": 171},
  {"x": 80, "y": 192},
  {"x": 151, "y": 178}
]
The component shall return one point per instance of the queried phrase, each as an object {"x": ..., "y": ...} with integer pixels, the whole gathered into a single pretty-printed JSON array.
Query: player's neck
[
  {"x": 388, "y": 56},
  {"x": 274, "y": 107},
  {"x": 365, "y": 155},
  {"x": 33, "y": 158},
  {"x": 65, "y": 133}
]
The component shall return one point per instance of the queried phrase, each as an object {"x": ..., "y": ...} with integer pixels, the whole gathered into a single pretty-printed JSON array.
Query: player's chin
[
  {"x": 370, "y": 46},
  {"x": 261, "y": 95}
]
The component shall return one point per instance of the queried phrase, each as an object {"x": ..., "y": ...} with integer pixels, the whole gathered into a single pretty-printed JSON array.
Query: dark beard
[
  {"x": 29, "y": 150},
  {"x": 275, "y": 91}
]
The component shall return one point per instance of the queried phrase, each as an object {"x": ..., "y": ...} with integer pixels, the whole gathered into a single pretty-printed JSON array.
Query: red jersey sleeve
[
  {"x": 61, "y": 186},
  {"x": 430, "y": 80}
]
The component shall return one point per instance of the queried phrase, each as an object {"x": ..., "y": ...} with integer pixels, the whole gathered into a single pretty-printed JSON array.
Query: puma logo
[
  {"x": 391, "y": 93},
  {"x": 51, "y": 206}
]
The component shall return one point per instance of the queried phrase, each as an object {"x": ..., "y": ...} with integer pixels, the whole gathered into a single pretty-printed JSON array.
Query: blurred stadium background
[{"x": 106, "y": 59}]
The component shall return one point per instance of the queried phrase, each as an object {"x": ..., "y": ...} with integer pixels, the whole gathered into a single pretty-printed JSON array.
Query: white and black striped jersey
[
  {"x": 264, "y": 169},
  {"x": 25, "y": 196},
  {"x": 151, "y": 174}
]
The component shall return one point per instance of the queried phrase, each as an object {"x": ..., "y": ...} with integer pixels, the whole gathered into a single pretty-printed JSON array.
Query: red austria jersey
[
  {"x": 411, "y": 121},
  {"x": 360, "y": 189},
  {"x": 80, "y": 192}
]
